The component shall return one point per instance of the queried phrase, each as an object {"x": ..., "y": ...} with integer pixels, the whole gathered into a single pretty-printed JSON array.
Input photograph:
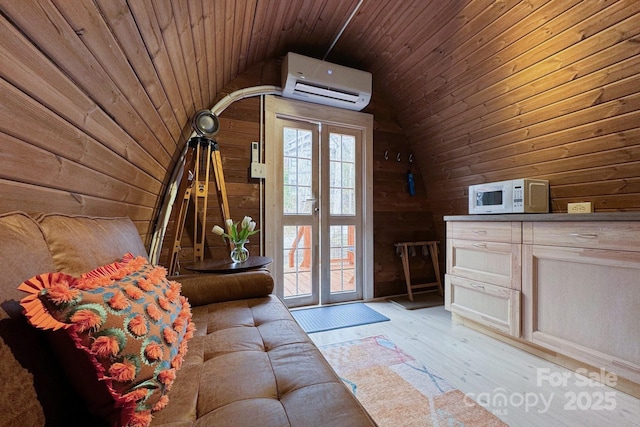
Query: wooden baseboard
[{"x": 622, "y": 384}]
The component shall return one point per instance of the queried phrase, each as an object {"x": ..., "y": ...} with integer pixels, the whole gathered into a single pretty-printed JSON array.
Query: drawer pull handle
[
  {"x": 584, "y": 235},
  {"x": 479, "y": 231},
  {"x": 480, "y": 245},
  {"x": 477, "y": 287}
]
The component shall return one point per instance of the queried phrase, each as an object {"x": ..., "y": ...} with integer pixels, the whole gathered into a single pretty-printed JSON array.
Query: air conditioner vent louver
[{"x": 325, "y": 83}]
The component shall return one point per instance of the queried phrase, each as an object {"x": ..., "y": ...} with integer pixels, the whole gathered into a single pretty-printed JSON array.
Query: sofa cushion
[
  {"x": 81, "y": 243},
  {"x": 23, "y": 252},
  {"x": 129, "y": 320}
]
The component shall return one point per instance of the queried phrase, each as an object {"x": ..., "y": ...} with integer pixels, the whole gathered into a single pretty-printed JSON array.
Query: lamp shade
[{"x": 205, "y": 123}]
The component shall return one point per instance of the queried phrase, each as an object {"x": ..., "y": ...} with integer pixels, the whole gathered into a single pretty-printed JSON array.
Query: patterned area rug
[{"x": 399, "y": 391}]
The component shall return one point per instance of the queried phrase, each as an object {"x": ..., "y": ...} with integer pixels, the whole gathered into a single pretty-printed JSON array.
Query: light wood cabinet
[
  {"x": 497, "y": 307},
  {"x": 483, "y": 279},
  {"x": 581, "y": 283},
  {"x": 572, "y": 286}
]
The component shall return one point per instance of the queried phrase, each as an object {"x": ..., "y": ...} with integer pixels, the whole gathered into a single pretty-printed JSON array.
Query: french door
[{"x": 315, "y": 208}]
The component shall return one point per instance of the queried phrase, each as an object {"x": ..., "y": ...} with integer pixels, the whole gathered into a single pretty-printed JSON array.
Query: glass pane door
[
  {"x": 341, "y": 222},
  {"x": 314, "y": 201},
  {"x": 300, "y": 260}
]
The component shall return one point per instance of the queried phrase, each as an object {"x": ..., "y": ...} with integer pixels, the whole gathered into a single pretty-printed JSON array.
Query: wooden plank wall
[
  {"x": 87, "y": 126},
  {"x": 541, "y": 89}
]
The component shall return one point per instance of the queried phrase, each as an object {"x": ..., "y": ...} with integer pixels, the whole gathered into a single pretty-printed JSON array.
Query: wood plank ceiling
[{"x": 483, "y": 89}]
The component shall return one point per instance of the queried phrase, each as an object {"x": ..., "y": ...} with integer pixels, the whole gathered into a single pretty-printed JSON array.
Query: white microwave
[{"x": 522, "y": 195}]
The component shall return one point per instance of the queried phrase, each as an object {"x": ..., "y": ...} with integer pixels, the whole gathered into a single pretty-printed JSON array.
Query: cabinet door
[
  {"x": 489, "y": 305},
  {"x": 584, "y": 303},
  {"x": 485, "y": 261}
]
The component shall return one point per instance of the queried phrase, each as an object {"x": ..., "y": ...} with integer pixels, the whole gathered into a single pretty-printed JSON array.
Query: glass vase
[{"x": 239, "y": 253}]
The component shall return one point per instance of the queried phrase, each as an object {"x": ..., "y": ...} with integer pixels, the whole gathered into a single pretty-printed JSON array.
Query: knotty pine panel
[
  {"x": 57, "y": 172},
  {"x": 123, "y": 26},
  {"x": 45, "y": 25},
  {"x": 19, "y": 113}
]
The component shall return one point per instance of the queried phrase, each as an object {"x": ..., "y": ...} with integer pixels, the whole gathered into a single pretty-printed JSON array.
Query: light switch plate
[{"x": 258, "y": 170}]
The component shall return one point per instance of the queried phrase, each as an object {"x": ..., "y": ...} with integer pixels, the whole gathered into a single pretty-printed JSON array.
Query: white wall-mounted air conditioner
[{"x": 322, "y": 82}]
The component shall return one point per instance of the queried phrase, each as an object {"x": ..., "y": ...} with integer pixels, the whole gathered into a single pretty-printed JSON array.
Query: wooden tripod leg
[
  {"x": 221, "y": 187},
  {"x": 184, "y": 193},
  {"x": 201, "y": 198}
]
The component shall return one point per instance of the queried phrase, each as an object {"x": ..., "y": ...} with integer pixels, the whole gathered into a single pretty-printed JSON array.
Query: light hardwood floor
[{"x": 537, "y": 392}]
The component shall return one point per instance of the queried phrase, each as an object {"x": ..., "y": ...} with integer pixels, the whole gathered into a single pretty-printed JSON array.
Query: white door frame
[{"x": 277, "y": 107}]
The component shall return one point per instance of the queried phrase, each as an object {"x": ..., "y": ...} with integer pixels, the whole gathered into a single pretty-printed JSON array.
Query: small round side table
[{"x": 226, "y": 267}]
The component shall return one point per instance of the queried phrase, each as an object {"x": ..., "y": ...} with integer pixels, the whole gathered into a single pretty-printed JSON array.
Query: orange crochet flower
[
  {"x": 86, "y": 320},
  {"x": 177, "y": 361},
  {"x": 145, "y": 285},
  {"x": 105, "y": 346},
  {"x": 191, "y": 328},
  {"x": 136, "y": 395},
  {"x": 137, "y": 263},
  {"x": 120, "y": 274},
  {"x": 94, "y": 283},
  {"x": 138, "y": 326},
  {"x": 167, "y": 377},
  {"x": 162, "y": 403},
  {"x": 118, "y": 301},
  {"x": 174, "y": 291},
  {"x": 164, "y": 303},
  {"x": 185, "y": 313},
  {"x": 153, "y": 351},
  {"x": 179, "y": 324},
  {"x": 61, "y": 293},
  {"x": 133, "y": 292},
  {"x": 157, "y": 274},
  {"x": 170, "y": 336},
  {"x": 123, "y": 372},
  {"x": 154, "y": 312}
]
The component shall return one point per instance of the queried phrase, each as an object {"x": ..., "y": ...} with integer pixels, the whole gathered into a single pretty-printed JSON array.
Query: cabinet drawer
[
  {"x": 623, "y": 235},
  {"x": 508, "y": 232},
  {"x": 490, "y": 262},
  {"x": 492, "y": 306}
]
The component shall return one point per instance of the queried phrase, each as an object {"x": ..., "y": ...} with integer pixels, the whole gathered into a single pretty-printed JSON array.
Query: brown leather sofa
[{"x": 249, "y": 363}]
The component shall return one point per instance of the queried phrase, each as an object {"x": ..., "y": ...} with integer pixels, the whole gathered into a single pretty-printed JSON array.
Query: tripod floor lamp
[{"x": 202, "y": 155}]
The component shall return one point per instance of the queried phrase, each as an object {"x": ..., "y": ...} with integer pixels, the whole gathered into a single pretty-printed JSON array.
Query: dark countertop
[{"x": 596, "y": 216}]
